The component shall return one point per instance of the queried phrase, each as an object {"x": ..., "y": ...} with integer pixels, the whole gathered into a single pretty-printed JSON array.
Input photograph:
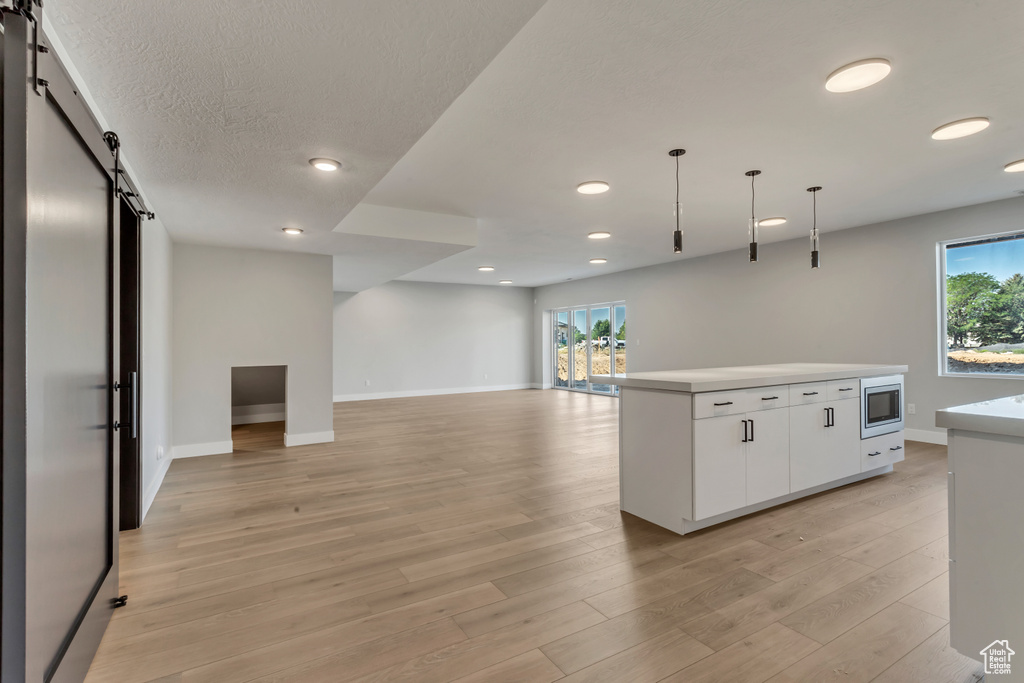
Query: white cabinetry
[
  {"x": 699, "y": 447},
  {"x": 719, "y": 465},
  {"x": 768, "y": 456},
  {"x": 824, "y": 434},
  {"x": 879, "y": 451},
  {"x": 740, "y": 458}
]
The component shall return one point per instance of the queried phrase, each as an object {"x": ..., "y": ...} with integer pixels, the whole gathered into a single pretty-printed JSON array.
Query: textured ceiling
[
  {"x": 219, "y": 105},
  {"x": 603, "y": 89}
]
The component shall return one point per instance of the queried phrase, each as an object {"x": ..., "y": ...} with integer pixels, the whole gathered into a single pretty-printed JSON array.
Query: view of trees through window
[
  {"x": 589, "y": 341},
  {"x": 985, "y": 305}
]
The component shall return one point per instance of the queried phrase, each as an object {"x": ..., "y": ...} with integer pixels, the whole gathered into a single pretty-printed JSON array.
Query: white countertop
[
  {"x": 745, "y": 376},
  {"x": 999, "y": 416}
]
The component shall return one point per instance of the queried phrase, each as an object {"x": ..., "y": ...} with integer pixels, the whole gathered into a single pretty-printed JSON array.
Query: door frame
[{"x": 19, "y": 63}]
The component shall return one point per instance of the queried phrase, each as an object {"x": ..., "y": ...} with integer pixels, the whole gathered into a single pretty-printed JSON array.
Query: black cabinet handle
[
  {"x": 896, "y": 448},
  {"x": 828, "y": 418},
  {"x": 770, "y": 398},
  {"x": 727, "y": 403},
  {"x": 810, "y": 393},
  {"x": 751, "y": 430},
  {"x": 832, "y": 417},
  {"x": 874, "y": 454},
  {"x": 745, "y": 439},
  {"x": 846, "y": 389}
]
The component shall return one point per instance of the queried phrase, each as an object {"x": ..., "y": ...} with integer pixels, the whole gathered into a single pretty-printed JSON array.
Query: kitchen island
[
  {"x": 699, "y": 447},
  {"x": 986, "y": 532}
]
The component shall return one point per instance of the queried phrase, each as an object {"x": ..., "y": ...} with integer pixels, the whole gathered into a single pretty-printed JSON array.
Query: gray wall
[
  {"x": 873, "y": 300},
  {"x": 258, "y": 385},
  {"x": 419, "y": 337},
  {"x": 156, "y": 358},
  {"x": 235, "y": 307}
]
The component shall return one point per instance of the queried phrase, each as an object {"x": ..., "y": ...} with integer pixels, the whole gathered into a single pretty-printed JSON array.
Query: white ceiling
[
  {"x": 602, "y": 90},
  {"x": 220, "y": 107}
]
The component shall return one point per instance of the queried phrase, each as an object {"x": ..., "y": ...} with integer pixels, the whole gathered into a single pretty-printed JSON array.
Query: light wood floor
[{"x": 478, "y": 538}]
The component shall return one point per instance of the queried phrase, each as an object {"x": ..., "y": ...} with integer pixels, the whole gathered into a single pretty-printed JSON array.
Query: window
[
  {"x": 588, "y": 341},
  {"x": 982, "y": 315}
]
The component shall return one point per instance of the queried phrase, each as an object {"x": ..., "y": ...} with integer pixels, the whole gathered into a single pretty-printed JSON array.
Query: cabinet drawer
[
  {"x": 879, "y": 451},
  {"x": 810, "y": 392},
  {"x": 839, "y": 389},
  {"x": 767, "y": 398},
  {"x": 718, "y": 403}
]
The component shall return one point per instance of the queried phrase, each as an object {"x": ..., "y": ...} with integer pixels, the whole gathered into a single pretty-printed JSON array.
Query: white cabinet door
[
  {"x": 843, "y": 445},
  {"x": 808, "y": 465},
  {"x": 719, "y": 465},
  {"x": 768, "y": 455}
]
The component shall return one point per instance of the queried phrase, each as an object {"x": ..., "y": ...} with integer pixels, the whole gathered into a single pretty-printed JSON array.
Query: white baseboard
[
  {"x": 308, "y": 438},
  {"x": 195, "y": 450},
  {"x": 925, "y": 435},
  {"x": 428, "y": 392},
  {"x": 247, "y": 415},
  {"x": 545, "y": 385},
  {"x": 154, "y": 486}
]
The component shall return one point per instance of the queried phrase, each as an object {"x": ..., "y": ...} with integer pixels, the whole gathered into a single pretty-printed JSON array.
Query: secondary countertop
[
  {"x": 999, "y": 416},
  {"x": 745, "y": 376}
]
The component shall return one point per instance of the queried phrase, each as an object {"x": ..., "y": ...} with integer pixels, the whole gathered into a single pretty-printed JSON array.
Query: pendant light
[
  {"x": 677, "y": 238},
  {"x": 815, "y": 259},
  {"x": 752, "y": 228}
]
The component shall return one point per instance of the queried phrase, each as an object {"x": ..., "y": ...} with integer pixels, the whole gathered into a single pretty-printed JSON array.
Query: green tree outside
[
  {"x": 602, "y": 328},
  {"x": 621, "y": 334},
  {"x": 979, "y": 308}
]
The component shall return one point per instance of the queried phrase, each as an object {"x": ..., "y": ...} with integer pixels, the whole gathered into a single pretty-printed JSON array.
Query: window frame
[{"x": 941, "y": 250}]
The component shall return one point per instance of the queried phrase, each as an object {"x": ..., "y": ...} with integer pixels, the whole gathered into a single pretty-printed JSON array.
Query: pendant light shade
[
  {"x": 815, "y": 258},
  {"x": 677, "y": 237},
  {"x": 752, "y": 226}
]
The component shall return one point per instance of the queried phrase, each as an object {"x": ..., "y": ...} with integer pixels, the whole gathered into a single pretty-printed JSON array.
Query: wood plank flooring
[{"x": 478, "y": 538}]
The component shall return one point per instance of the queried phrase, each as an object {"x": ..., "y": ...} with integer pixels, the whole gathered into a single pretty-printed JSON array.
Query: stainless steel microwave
[{"x": 881, "y": 405}]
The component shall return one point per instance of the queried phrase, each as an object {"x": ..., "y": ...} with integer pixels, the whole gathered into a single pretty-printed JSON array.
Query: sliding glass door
[
  {"x": 578, "y": 376},
  {"x": 563, "y": 352},
  {"x": 600, "y": 347},
  {"x": 588, "y": 341}
]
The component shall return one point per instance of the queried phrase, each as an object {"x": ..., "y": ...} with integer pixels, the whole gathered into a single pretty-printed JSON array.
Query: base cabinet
[
  {"x": 824, "y": 442},
  {"x": 719, "y": 465},
  {"x": 740, "y": 460}
]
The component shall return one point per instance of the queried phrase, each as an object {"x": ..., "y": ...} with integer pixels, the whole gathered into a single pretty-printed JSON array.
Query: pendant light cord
[
  {"x": 677, "y": 193},
  {"x": 752, "y": 196},
  {"x": 814, "y": 211}
]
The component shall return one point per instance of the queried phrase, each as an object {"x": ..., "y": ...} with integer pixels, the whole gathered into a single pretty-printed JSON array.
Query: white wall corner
[
  {"x": 926, "y": 436},
  {"x": 343, "y": 398},
  {"x": 308, "y": 438},
  {"x": 154, "y": 487},
  {"x": 195, "y": 450}
]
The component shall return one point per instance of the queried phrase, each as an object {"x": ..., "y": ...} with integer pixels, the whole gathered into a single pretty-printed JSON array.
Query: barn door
[{"x": 60, "y": 223}]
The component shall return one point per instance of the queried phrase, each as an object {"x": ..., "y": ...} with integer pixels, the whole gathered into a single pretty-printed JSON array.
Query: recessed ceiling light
[
  {"x": 292, "y": 231},
  {"x": 598, "y": 260},
  {"x": 770, "y": 222},
  {"x": 325, "y": 164},
  {"x": 592, "y": 187},
  {"x": 960, "y": 129},
  {"x": 1014, "y": 166},
  {"x": 485, "y": 269},
  {"x": 858, "y": 75},
  {"x": 505, "y": 282},
  {"x": 600, "y": 235}
]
